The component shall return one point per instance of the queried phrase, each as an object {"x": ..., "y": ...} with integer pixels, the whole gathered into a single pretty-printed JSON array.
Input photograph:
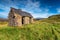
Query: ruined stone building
[{"x": 17, "y": 17}]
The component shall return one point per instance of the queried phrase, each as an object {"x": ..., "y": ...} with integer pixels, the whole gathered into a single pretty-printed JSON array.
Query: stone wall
[
  {"x": 19, "y": 20},
  {"x": 32, "y": 21},
  {"x": 26, "y": 20},
  {"x": 14, "y": 20}
]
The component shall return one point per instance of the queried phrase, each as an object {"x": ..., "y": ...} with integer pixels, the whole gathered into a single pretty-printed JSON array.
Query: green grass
[{"x": 37, "y": 31}]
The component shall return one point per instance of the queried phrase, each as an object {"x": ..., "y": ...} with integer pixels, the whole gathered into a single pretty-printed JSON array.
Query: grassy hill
[
  {"x": 40, "y": 30},
  {"x": 52, "y": 19},
  {"x": 55, "y": 18}
]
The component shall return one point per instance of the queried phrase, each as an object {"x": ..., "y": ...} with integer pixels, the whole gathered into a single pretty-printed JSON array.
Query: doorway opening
[
  {"x": 22, "y": 20},
  {"x": 30, "y": 20}
]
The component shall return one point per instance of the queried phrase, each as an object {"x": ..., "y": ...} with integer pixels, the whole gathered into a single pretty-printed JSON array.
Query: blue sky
[{"x": 38, "y": 8}]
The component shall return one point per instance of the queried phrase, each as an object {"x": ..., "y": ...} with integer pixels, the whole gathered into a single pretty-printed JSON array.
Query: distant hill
[
  {"x": 54, "y": 17},
  {"x": 38, "y": 19},
  {"x": 3, "y": 20}
]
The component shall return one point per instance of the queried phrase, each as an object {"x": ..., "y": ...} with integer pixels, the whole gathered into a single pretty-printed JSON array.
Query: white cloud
[
  {"x": 31, "y": 7},
  {"x": 35, "y": 10},
  {"x": 4, "y": 14},
  {"x": 46, "y": 10},
  {"x": 58, "y": 10},
  {"x": 43, "y": 15}
]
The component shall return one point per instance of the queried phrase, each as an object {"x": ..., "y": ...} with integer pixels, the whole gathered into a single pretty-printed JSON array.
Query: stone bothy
[{"x": 17, "y": 17}]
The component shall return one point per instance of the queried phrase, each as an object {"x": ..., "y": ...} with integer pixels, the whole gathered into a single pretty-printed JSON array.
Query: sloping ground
[
  {"x": 36, "y": 31},
  {"x": 55, "y": 18},
  {"x": 52, "y": 19}
]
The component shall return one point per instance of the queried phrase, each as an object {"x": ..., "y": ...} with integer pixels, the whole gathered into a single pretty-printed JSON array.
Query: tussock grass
[{"x": 37, "y": 31}]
